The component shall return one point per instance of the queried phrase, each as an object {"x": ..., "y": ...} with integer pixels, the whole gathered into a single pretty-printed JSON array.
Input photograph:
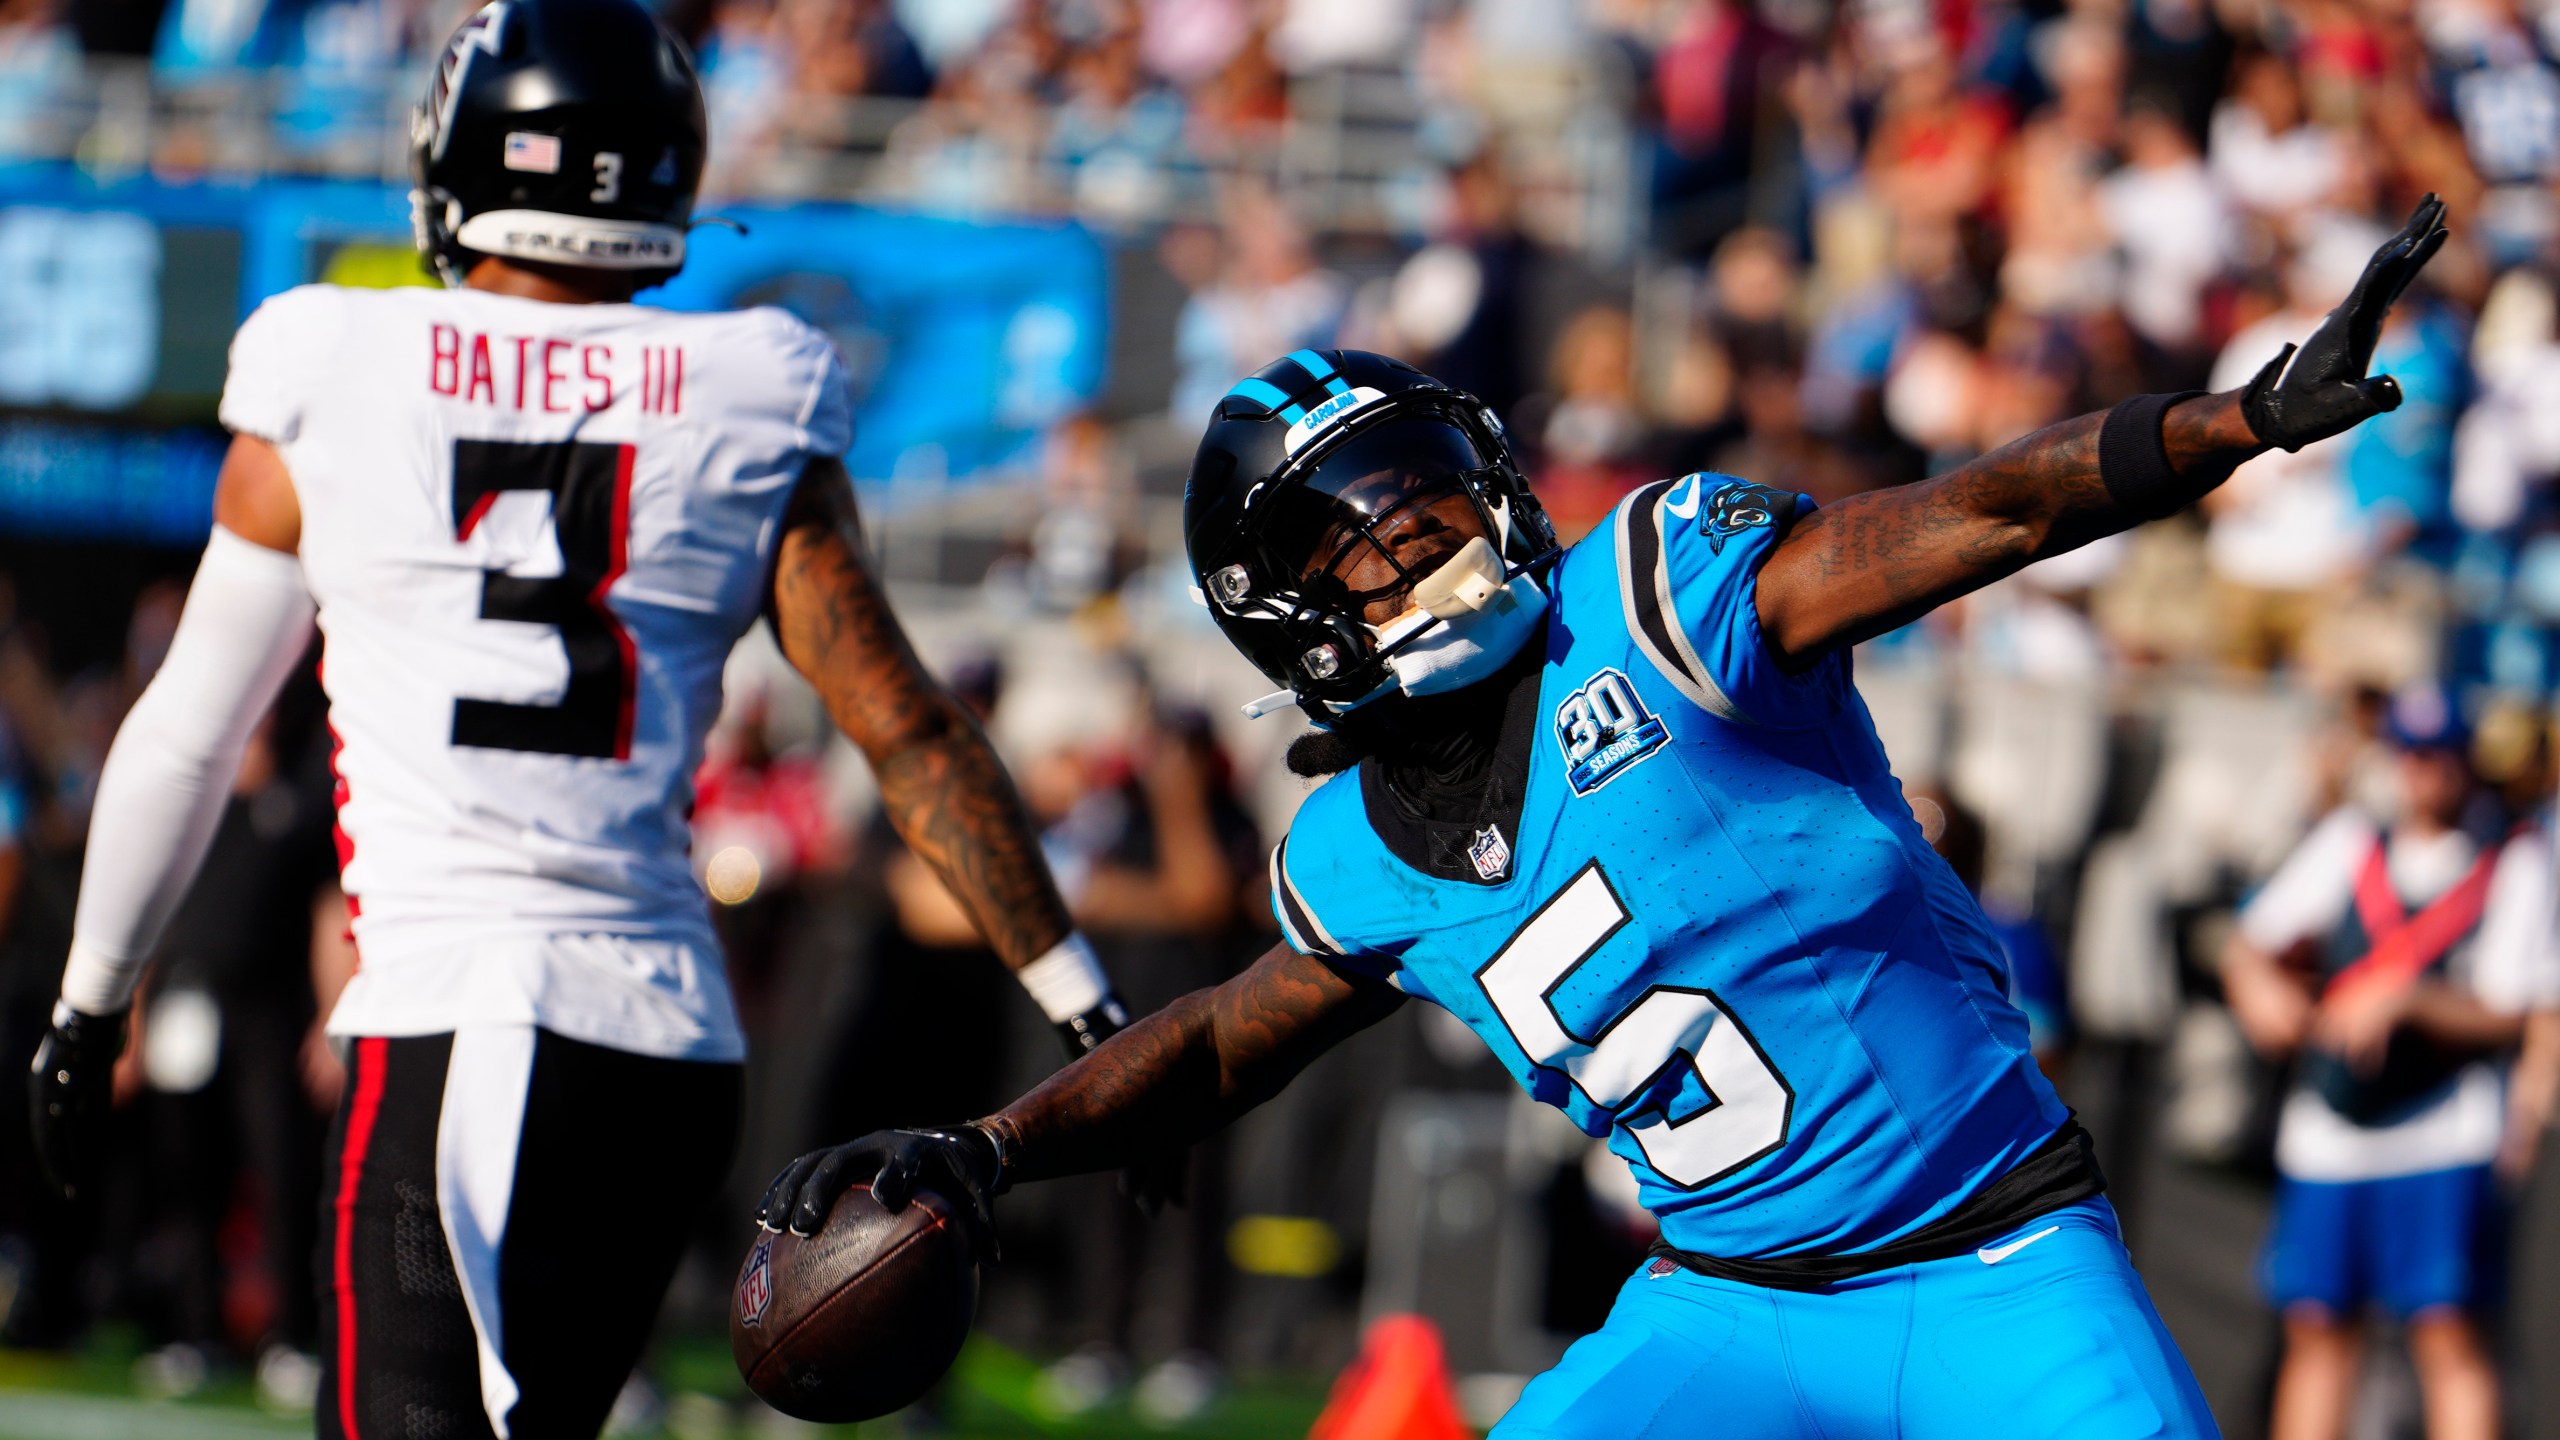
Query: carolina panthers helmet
[
  {"x": 1307, "y": 458},
  {"x": 568, "y": 131}
]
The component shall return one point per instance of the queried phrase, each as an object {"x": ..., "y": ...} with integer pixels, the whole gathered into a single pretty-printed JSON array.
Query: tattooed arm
[
  {"x": 1188, "y": 1069},
  {"x": 1874, "y": 562},
  {"x": 1878, "y": 561},
  {"x": 940, "y": 781},
  {"x": 1166, "y": 1081}
]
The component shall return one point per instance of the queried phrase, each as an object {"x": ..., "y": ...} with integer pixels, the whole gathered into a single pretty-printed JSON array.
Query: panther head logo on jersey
[
  {"x": 755, "y": 1288},
  {"x": 1739, "y": 506}
]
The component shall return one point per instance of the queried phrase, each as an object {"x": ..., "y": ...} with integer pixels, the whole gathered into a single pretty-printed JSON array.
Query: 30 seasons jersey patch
[{"x": 1604, "y": 729}]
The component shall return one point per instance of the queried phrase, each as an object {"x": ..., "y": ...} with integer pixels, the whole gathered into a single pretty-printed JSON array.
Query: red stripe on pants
[{"x": 371, "y": 1053}]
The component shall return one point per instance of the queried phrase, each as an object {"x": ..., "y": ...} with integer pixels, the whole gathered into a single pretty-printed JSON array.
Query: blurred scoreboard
[
  {"x": 965, "y": 339},
  {"x": 107, "y": 311}
]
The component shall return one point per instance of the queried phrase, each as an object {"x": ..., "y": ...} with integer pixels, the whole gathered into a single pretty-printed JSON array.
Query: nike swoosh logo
[
  {"x": 1690, "y": 510},
  {"x": 1994, "y": 1254}
]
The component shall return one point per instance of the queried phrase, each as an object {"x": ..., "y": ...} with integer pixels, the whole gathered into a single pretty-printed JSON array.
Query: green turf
[
  {"x": 89, "y": 1395},
  {"x": 29, "y": 1415}
]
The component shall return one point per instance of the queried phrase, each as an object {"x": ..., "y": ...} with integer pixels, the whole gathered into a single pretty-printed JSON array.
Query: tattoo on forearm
[
  {"x": 1983, "y": 514},
  {"x": 940, "y": 782},
  {"x": 1873, "y": 562},
  {"x": 1153, "y": 1084},
  {"x": 1189, "y": 1068}
]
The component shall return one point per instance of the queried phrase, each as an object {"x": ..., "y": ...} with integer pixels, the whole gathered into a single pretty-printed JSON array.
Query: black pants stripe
[{"x": 616, "y": 1155}]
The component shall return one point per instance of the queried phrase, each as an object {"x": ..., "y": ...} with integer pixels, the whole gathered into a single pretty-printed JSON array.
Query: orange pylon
[{"x": 1398, "y": 1388}]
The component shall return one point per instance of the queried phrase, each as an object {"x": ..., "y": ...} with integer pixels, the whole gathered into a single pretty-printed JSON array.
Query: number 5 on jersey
[
  {"x": 1629, "y": 1067},
  {"x": 590, "y": 490}
]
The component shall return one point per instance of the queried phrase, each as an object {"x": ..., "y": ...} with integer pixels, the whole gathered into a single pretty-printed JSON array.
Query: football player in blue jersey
[{"x": 1618, "y": 808}]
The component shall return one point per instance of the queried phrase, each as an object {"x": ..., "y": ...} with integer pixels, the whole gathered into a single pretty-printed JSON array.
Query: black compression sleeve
[{"x": 2133, "y": 459}]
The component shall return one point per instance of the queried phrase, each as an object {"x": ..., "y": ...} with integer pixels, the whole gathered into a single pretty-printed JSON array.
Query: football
[{"x": 859, "y": 1319}]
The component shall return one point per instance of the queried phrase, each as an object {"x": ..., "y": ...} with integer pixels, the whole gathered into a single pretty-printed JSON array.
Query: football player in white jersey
[{"x": 530, "y": 520}]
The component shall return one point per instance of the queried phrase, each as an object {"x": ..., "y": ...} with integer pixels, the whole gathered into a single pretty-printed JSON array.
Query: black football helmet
[
  {"x": 1310, "y": 456},
  {"x": 568, "y": 131}
]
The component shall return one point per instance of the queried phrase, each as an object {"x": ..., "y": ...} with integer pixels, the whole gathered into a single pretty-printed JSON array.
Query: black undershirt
[{"x": 1466, "y": 767}]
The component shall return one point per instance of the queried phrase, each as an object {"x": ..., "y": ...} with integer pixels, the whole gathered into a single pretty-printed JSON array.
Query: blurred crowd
[
  {"x": 1864, "y": 243},
  {"x": 1827, "y": 246}
]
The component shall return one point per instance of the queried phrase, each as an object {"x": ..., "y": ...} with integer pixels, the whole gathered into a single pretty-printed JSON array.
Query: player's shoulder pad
[
  {"x": 305, "y": 316},
  {"x": 280, "y": 353},
  {"x": 783, "y": 335},
  {"x": 1671, "y": 536},
  {"x": 1689, "y": 553},
  {"x": 815, "y": 372},
  {"x": 1308, "y": 868}
]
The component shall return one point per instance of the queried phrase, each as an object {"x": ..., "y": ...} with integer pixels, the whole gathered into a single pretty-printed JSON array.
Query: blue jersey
[{"x": 1712, "y": 932}]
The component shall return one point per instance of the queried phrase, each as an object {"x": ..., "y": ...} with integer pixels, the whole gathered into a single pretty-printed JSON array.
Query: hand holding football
[{"x": 861, "y": 1318}]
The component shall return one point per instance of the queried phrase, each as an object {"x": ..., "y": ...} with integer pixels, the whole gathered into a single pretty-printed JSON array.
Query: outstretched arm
[
  {"x": 940, "y": 782},
  {"x": 1878, "y": 561},
  {"x": 161, "y": 793},
  {"x": 1168, "y": 1080},
  {"x": 1853, "y": 570},
  {"x": 1188, "y": 1069}
]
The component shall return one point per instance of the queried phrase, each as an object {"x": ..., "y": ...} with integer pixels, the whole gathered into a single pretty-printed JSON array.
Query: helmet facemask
[{"x": 1374, "y": 504}]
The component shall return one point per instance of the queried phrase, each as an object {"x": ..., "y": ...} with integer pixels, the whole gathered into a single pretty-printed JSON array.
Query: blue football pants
[{"x": 2045, "y": 1332}]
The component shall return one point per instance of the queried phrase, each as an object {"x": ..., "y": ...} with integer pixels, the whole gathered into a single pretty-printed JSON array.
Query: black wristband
[
  {"x": 91, "y": 1036},
  {"x": 2133, "y": 458},
  {"x": 1083, "y": 1034},
  {"x": 982, "y": 1146},
  {"x": 992, "y": 1131}
]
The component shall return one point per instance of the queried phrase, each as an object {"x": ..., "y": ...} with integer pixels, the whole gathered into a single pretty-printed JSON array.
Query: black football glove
[
  {"x": 1083, "y": 1034},
  {"x": 70, "y": 1088},
  {"x": 2325, "y": 391},
  {"x": 961, "y": 1164}
]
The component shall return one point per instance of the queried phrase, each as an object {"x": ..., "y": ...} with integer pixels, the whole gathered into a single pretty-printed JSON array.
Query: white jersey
[
  {"x": 534, "y": 532},
  {"x": 2511, "y": 963}
]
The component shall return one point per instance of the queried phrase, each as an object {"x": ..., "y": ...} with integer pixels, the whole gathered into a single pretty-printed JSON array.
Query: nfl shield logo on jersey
[
  {"x": 1491, "y": 853},
  {"x": 755, "y": 1288}
]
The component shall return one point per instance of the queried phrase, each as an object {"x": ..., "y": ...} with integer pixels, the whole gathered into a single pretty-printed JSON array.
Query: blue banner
[
  {"x": 108, "y": 482},
  {"x": 965, "y": 340}
]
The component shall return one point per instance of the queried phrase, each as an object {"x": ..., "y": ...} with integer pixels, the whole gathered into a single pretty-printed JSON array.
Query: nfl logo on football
[
  {"x": 1491, "y": 854},
  {"x": 755, "y": 1289}
]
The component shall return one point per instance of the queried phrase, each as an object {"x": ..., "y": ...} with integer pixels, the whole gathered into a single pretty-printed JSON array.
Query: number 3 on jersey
[
  {"x": 590, "y": 489},
  {"x": 1629, "y": 1067}
]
